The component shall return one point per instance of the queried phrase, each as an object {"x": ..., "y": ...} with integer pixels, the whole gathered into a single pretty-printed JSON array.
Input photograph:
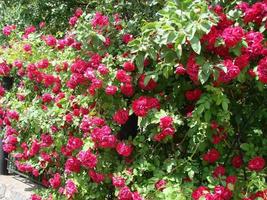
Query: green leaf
[
  {"x": 222, "y": 67},
  {"x": 205, "y": 26},
  {"x": 207, "y": 116},
  {"x": 140, "y": 62},
  {"x": 262, "y": 28},
  {"x": 147, "y": 79},
  {"x": 195, "y": 44},
  {"x": 101, "y": 37},
  {"x": 245, "y": 146},
  {"x": 191, "y": 174},
  {"x": 236, "y": 51},
  {"x": 169, "y": 56},
  {"x": 152, "y": 53},
  {"x": 204, "y": 73},
  {"x": 225, "y": 106},
  {"x": 134, "y": 43},
  {"x": 191, "y": 30},
  {"x": 171, "y": 37},
  {"x": 181, "y": 38}
]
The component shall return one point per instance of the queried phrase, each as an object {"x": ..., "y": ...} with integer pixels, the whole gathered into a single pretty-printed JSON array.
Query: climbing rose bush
[{"x": 174, "y": 111}]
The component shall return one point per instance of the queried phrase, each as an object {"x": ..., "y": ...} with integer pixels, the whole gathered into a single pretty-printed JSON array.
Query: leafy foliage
[{"x": 194, "y": 75}]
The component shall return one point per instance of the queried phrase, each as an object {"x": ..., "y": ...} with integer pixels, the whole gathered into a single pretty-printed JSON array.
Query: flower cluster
[{"x": 107, "y": 112}]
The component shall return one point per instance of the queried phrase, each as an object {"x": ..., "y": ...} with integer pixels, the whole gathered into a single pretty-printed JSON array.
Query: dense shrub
[
  {"x": 53, "y": 16},
  {"x": 174, "y": 109}
]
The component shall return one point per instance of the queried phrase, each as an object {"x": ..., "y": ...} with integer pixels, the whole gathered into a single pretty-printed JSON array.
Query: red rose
[
  {"x": 232, "y": 36},
  {"x": 231, "y": 179},
  {"x": 124, "y": 149},
  {"x": 55, "y": 182},
  {"x": 193, "y": 95},
  {"x": 242, "y": 61},
  {"x": 35, "y": 197},
  {"x": 68, "y": 118},
  {"x": 160, "y": 184},
  {"x": 78, "y": 12},
  {"x": 232, "y": 71},
  {"x": 102, "y": 69},
  {"x": 140, "y": 106},
  {"x": 121, "y": 116},
  {"x": 192, "y": 68},
  {"x": 46, "y": 98},
  {"x": 218, "y": 171},
  {"x": 223, "y": 192},
  {"x": 72, "y": 165},
  {"x": 118, "y": 181},
  {"x": 143, "y": 104},
  {"x": 88, "y": 159},
  {"x": 2, "y": 91},
  {"x": 111, "y": 90},
  {"x": 214, "y": 125},
  {"x": 127, "y": 89},
  {"x": 199, "y": 192},
  {"x": 70, "y": 189},
  {"x": 99, "y": 20},
  {"x": 149, "y": 86},
  {"x": 126, "y": 38},
  {"x": 125, "y": 194},
  {"x": 50, "y": 40},
  {"x": 123, "y": 77},
  {"x": 262, "y": 70},
  {"x": 129, "y": 66},
  {"x": 96, "y": 177},
  {"x": 211, "y": 156},
  {"x": 256, "y": 164},
  {"x": 74, "y": 143},
  {"x": 166, "y": 122},
  {"x": 27, "y": 47},
  {"x": 237, "y": 161},
  {"x": 43, "y": 64},
  {"x": 180, "y": 70}
]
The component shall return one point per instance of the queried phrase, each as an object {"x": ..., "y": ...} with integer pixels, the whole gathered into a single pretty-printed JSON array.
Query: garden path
[{"x": 15, "y": 188}]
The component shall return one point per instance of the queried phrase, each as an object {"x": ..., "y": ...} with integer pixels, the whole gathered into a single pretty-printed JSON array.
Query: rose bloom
[
  {"x": 151, "y": 84},
  {"x": 212, "y": 156},
  {"x": 36, "y": 197},
  {"x": 262, "y": 70},
  {"x": 126, "y": 38},
  {"x": 96, "y": 177},
  {"x": 231, "y": 179},
  {"x": 111, "y": 90},
  {"x": 180, "y": 70},
  {"x": 193, "y": 95},
  {"x": 232, "y": 36},
  {"x": 199, "y": 192},
  {"x": 121, "y": 116},
  {"x": 125, "y": 194},
  {"x": 223, "y": 192},
  {"x": 124, "y": 149},
  {"x": 2, "y": 91},
  {"x": 219, "y": 171},
  {"x": 27, "y": 47},
  {"x": 256, "y": 164},
  {"x": 160, "y": 185},
  {"x": 166, "y": 122},
  {"x": 118, "y": 181},
  {"x": 127, "y": 89},
  {"x": 88, "y": 159},
  {"x": 237, "y": 161},
  {"x": 55, "y": 182},
  {"x": 70, "y": 189},
  {"x": 128, "y": 66}
]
